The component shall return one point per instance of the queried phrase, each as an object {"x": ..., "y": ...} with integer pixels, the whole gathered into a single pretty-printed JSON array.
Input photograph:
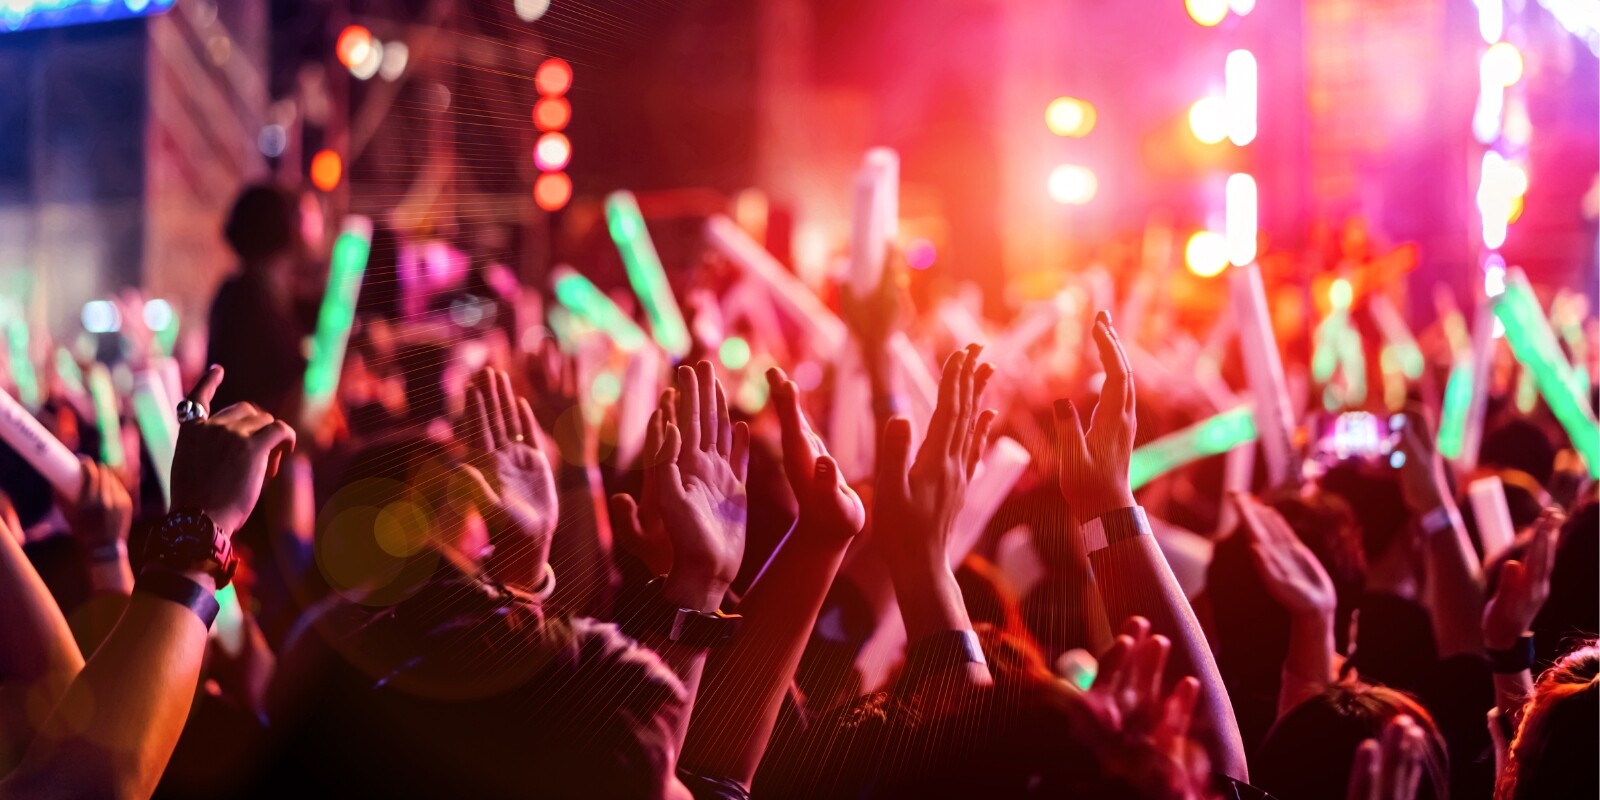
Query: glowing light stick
[
  {"x": 920, "y": 384},
  {"x": 167, "y": 338},
  {"x": 1534, "y": 344},
  {"x": 106, "y": 417},
  {"x": 1457, "y": 405},
  {"x": 960, "y": 322},
  {"x": 1398, "y": 334},
  {"x": 43, "y": 451},
  {"x": 1455, "y": 325},
  {"x": 70, "y": 374},
  {"x": 876, "y": 219},
  {"x": 153, "y": 410},
  {"x": 641, "y": 381},
  {"x": 645, "y": 274},
  {"x": 228, "y": 628},
  {"x": 22, "y": 374},
  {"x": 1482, "y": 369},
  {"x": 998, "y": 473},
  {"x": 1488, "y": 498},
  {"x": 337, "y": 315},
  {"x": 589, "y": 304},
  {"x": 1264, "y": 370},
  {"x": 823, "y": 329},
  {"x": 1205, "y": 438}
]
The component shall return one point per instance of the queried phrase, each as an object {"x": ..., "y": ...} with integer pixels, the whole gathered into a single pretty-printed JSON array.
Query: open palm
[
  {"x": 701, "y": 492},
  {"x": 508, "y": 476}
]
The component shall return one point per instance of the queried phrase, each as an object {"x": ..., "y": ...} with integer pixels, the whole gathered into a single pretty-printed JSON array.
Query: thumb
[{"x": 824, "y": 479}]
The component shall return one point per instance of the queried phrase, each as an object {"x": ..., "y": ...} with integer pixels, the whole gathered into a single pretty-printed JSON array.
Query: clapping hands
[
  {"x": 1094, "y": 464},
  {"x": 1291, "y": 572},
  {"x": 1524, "y": 584},
  {"x": 827, "y": 503},
  {"x": 1127, "y": 691}
]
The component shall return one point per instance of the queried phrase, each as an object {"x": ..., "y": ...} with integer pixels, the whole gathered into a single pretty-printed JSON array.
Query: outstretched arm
[
  {"x": 38, "y": 657},
  {"x": 745, "y": 684},
  {"x": 1130, "y": 570}
]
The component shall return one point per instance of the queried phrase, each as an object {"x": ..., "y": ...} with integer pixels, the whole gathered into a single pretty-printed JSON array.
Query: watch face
[{"x": 190, "y": 540}]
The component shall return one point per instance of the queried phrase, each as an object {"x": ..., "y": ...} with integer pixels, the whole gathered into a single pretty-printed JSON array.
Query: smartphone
[{"x": 1358, "y": 436}]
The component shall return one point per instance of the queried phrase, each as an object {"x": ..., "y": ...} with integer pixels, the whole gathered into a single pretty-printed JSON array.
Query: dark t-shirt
[{"x": 257, "y": 342}]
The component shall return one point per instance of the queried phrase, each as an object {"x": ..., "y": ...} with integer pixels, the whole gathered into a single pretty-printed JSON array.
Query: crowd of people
[{"x": 485, "y": 571}]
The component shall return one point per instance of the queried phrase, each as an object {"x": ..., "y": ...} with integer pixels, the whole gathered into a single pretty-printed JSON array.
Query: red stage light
[
  {"x": 354, "y": 46},
  {"x": 552, "y": 152},
  {"x": 326, "y": 170},
  {"x": 551, "y": 113},
  {"x": 554, "y": 77},
  {"x": 552, "y": 190}
]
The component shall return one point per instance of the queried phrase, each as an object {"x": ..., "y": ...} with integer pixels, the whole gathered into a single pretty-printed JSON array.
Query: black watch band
[
  {"x": 1514, "y": 659},
  {"x": 173, "y": 586},
  {"x": 686, "y": 626},
  {"x": 941, "y": 651}
]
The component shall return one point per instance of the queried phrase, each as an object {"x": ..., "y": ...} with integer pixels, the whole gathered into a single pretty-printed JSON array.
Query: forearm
[
  {"x": 1454, "y": 587},
  {"x": 1134, "y": 580},
  {"x": 684, "y": 590},
  {"x": 931, "y": 603},
  {"x": 580, "y": 552},
  {"x": 116, "y": 727},
  {"x": 1308, "y": 666},
  {"x": 110, "y": 583},
  {"x": 747, "y": 681},
  {"x": 38, "y": 656}
]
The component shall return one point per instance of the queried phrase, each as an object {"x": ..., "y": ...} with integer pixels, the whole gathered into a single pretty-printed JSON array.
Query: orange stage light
[
  {"x": 551, "y": 113},
  {"x": 552, "y": 190},
  {"x": 553, "y": 78}
]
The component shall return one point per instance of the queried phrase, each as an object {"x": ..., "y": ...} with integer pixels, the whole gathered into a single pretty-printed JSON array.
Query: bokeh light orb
[
  {"x": 101, "y": 316},
  {"x": 326, "y": 170},
  {"x": 1502, "y": 64},
  {"x": 1206, "y": 254},
  {"x": 1207, "y": 12},
  {"x": 734, "y": 353},
  {"x": 551, "y": 113},
  {"x": 1073, "y": 185},
  {"x": 1208, "y": 119},
  {"x": 1340, "y": 293},
  {"x": 920, "y": 254},
  {"x": 1069, "y": 116},
  {"x": 157, "y": 314},
  {"x": 530, "y": 10},
  {"x": 552, "y": 152},
  {"x": 354, "y": 46},
  {"x": 552, "y": 190},
  {"x": 553, "y": 78}
]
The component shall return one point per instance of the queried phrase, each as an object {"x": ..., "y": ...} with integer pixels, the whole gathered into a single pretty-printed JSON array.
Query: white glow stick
[
  {"x": 39, "y": 448},
  {"x": 1264, "y": 370},
  {"x": 960, "y": 322},
  {"x": 1495, "y": 531},
  {"x": 920, "y": 384},
  {"x": 158, "y": 423},
  {"x": 823, "y": 329},
  {"x": 1034, "y": 323},
  {"x": 876, "y": 218}
]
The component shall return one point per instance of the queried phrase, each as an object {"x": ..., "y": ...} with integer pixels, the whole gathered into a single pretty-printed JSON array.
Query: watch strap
[
  {"x": 169, "y": 585},
  {"x": 1115, "y": 526},
  {"x": 1513, "y": 659},
  {"x": 688, "y": 626}
]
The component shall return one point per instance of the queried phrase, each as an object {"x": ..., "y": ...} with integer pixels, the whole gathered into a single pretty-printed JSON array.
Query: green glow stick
[
  {"x": 645, "y": 274},
  {"x": 1534, "y": 344},
  {"x": 1398, "y": 335},
  {"x": 338, "y": 313},
  {"x": 1353, "y": 365},
  {"x": 22, "y": 373},
  {"x": 1325, "y": 358},
  {"x": 228, "y": 628},
  {"x": 105, "y": 415},
  {"x": 167, "y": 338},
  {"x": 1457, "y": 404},
  {"x": 152, "y": 409},
  {"x": 1208, "y": 437},
  {"x": 589, "y": 304},
  {"x": 68, "y": 371}
]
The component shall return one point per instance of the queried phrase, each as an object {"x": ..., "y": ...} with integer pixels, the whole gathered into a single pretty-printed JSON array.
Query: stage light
[
  {"x": 395, "y": 57},
  {"x": 1488, "y": 114},
  {"x": 553, "y": 78},
  {"x": 101, "y": 316},
  {"x": 1069, "y": 116},
  {"x": 552, "y": 190},
  {"x": 326, "y": 170},
  {"x": 530, "y": 10},
  {"x": 1491, "y": 19},
  {"x": 552, "y": 152},
  {"x": 1240, "y": 198},
  {"x": 1241, "y": 7},
  {"x": 1207, "y": 12},
  {"x": 920, "y": 254},
  {"x": 369, "y": 66},
  {"x": 1208, "y": 120},
  {"x": 734, "y": 352},
  {"x": 551, "y": 113},
  {"x": 1206, "y": 254},
  {"x": 1501, "y": 64},
  {"x": 1240, "y": 96},
  {"x": 1340, "y": 293},
  {"x": 1072, "y": 185},
  {"x": 354, "y": 46}
]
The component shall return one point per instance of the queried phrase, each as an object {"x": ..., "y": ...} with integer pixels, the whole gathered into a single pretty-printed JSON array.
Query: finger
[
  {"x": 274, "y": 461},
  {"x": 724, "y": 439},
  {"x": 91, "y": 480},
  {"x": 670, "y": 481},
  {"x": 1410, "y": 777},
  {"x": 705, "y": 381},
  {"x": 739, "y": 450},
  {"x": 1364, "y": 772},
  {"x": 207, "y": 387},
  {"x": 962, "y": 433},
  {"x": 668, "y": 404},
  {"x": 508, "y": 407},
  {"x": 1117, "y": 394},
  {"x": 894, "y": 456},
  {"x": 1513, "y": 580},
  {"x": 1180, "y": 705},
  {"x": 235, "y": 412},
  {"x": 980, "y": 381},
  {"x": 688, "y": 406},
  {"x": 529, "y": 425},
  {"x": 275, "y": 436},
  {"x": 478, "y": 440},
  {"x": 249, "y": 425},
  {"x": 797, "y": 457},
  {"x": 1391, "y": 744},
  {"x": 941, "y": 428},
  {"x": 491, "y": 404},
  {"x": 1069, "y": 434},
  {"x": 474, "y": 489},
  {"x": 625, "y": 517},
  {"x": 980, "y": 440},
  {"x": 1112, "y": 661},
  {"x": 1153, "y": 666},
  {"x": 826, "y": 480}
]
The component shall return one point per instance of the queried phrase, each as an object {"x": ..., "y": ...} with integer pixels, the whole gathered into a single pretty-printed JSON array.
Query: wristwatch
[
  {"x": 687, "y": 626},
  {"x": 187, "y": 539},
  {"x": 1115, "y": 526}
]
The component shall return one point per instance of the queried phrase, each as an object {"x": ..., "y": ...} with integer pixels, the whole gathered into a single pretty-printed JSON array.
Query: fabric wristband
[
  {"x": 1115, "y": 526},
  {"x": 943, "y": 650},
  {"x": 168, "y": 585},
  {"x": 109, "y": 552},
  {"x": 1440, "y": 519},
  {"x": 1513, "y": 659}
]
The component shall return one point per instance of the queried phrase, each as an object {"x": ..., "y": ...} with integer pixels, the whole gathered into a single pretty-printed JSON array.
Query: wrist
[
  {"x": 818, "y": 534},
  {"x": 694, "y": 589},
  {"x": 1502, "y": 636}
]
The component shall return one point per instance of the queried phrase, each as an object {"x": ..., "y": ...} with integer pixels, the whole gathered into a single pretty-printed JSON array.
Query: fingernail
[{"x": 1103, "y": 316}]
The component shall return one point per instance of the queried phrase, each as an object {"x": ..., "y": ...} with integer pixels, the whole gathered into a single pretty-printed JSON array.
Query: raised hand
[
  {"x": 1291, "y": 572},
  {"x": 915, "y": 502},
  {"x": 1422, "y": 476},
  {"x": 1094, "y": 466},
  {"x": 1127, "y": 690},
  {"x": 103, "y": 512},
  {"x": 827, "y": 503},
  {"x": 1524, "y": 584},
  {"x": 1390, "y": 766},
  {"x": 507, "y": 477},
  {"x": 220, "y": 462},
  {"x": 698, "y": 476}
]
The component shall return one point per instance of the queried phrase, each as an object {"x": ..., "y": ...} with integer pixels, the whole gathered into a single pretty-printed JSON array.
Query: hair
[
  {"x": 1308, "y": 754},
  {"x": 1520, "y": 444},
  {"x": 1374, "y": 495},
  {"x": 1553, "y": 753},
  {"x": 264, "y": 221}
]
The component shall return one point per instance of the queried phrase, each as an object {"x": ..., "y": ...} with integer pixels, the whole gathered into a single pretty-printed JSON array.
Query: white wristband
[
  {"x": 1115, "y": 526},
  {"x": 1440, "y": 519}
]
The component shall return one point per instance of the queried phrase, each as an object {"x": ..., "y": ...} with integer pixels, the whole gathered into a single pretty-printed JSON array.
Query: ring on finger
[{"x": 191, "y": 411}]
